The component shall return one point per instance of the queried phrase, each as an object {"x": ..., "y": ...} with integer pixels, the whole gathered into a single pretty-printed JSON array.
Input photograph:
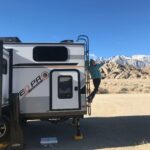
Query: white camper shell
[{"x": 49, "y": 79}]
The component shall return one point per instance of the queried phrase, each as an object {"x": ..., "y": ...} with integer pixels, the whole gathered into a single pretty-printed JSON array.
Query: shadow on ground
[{"x": 98, "y": 132}]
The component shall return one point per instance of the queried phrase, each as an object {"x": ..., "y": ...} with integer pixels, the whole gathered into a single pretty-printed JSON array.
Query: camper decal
[{"x": 33, "y": 84}]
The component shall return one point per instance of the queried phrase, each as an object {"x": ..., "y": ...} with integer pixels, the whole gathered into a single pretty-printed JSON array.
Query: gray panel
[
  {"x": 76, "y": 57},
  {"x": 34, "y": 105}
]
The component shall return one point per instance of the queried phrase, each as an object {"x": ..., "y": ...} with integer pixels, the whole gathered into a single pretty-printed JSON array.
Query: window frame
[{"x": 71, "y": 95}]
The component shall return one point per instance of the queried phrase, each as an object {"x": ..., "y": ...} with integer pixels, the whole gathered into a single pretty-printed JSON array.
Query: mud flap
[{"x": 16, "y": 133}]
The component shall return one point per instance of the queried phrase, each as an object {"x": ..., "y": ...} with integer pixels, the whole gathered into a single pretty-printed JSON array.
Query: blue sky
[{"x": 115, "y": 27}]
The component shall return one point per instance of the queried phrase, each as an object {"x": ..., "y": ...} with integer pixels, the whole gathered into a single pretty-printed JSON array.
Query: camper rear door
[{"x": 64, "y": 90}]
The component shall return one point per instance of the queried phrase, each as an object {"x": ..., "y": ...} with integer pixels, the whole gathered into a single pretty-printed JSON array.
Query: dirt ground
[
  {"x": 118, "y": 122},
  {"x": 124, "y": 86}
]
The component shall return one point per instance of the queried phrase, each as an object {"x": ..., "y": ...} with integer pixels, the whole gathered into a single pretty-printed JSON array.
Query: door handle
[{"x": 76, "y": 88}]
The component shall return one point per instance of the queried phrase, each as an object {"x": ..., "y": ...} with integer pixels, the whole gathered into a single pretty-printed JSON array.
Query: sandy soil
[
  {"x": 124, "y": 86},
  {"x": 110, "y": 105},
  {"x": 118, "y": 122}
]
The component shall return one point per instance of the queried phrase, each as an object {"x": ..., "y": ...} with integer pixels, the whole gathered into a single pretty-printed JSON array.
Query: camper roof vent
[
  {"x": 67, "y": 41},
  {"x": 10, "y": 39}
]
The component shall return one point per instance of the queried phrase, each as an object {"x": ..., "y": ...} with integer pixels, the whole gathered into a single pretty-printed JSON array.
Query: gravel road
[{"x": 103, "y": 129}]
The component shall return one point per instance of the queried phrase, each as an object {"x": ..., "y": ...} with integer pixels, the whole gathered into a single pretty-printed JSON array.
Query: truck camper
[{"x": 42, "y": 81}]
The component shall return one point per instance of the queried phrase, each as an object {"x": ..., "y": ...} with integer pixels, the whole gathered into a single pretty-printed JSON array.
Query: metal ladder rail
[{"x": 86, "y": 40}]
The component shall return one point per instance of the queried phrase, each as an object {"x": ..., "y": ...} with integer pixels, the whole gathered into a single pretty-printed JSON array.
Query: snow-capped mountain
[{"x": 138, "y": 61}]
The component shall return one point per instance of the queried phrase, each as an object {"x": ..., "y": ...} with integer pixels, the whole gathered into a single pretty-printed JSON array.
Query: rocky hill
[{"x": 113, "y": 70}]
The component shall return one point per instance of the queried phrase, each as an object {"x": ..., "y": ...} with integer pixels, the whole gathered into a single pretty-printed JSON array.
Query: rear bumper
[{"x": 58, "y": 114}]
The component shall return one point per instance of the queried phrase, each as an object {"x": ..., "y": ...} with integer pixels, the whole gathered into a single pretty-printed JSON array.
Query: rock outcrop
[{"x": 112, "y": 70}]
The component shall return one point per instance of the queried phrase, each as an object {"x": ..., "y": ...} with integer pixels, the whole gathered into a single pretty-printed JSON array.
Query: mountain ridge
[{"x": 138, "y": 61}]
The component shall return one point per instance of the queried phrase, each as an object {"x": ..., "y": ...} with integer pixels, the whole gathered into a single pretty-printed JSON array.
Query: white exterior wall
[{"x": 38, "y": 100}]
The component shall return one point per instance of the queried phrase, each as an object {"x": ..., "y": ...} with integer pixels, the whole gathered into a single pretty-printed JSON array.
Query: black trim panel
[
  {"x": 4, "y": 66},
  {"x": 44, "y": 64},
  {"x": 60, "y": 114},
  {"x": 79, "y": 95},
  {"x": 83, "y": 90},
  {"x": 10, "y": 73},
  {"x": 1, "y": 76}
]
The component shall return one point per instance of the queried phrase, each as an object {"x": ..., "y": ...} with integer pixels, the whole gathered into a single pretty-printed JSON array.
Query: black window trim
[{"x": 61, "y": 60}]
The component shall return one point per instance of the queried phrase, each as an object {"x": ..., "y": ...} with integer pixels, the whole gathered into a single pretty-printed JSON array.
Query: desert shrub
[
  {"x": 146, "y": 91},
  {"x": 123, "y": 90},
  {"x": 103, "y": 91},
  {"x": 148, "y": 87}
]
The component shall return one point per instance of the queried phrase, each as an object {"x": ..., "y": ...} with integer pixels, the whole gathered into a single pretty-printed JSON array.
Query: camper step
[
  {"x": 3, "y": 146},
  {"x": 48, "y": 141},
  {"x": 78, "y": 137}
]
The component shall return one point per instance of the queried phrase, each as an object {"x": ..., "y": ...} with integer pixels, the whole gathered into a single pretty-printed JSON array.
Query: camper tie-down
[{"x": 41, "y": 81}]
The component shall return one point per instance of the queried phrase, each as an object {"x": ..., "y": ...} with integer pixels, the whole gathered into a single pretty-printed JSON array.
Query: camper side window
[
  {"x": 65, "y": 87},
  {"x": 50, "y": 53},
  {"x": 4, "y": 69}
]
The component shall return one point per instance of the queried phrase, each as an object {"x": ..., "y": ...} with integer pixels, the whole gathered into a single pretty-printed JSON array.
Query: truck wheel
[{"x": 4, "y": 129}]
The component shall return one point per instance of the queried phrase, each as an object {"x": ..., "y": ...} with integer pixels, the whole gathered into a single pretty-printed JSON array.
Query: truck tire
[{"x": 4, "y": 129}]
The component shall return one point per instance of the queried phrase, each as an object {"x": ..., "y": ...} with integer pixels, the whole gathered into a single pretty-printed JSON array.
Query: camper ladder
[{"x": 86, "y": 40}]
